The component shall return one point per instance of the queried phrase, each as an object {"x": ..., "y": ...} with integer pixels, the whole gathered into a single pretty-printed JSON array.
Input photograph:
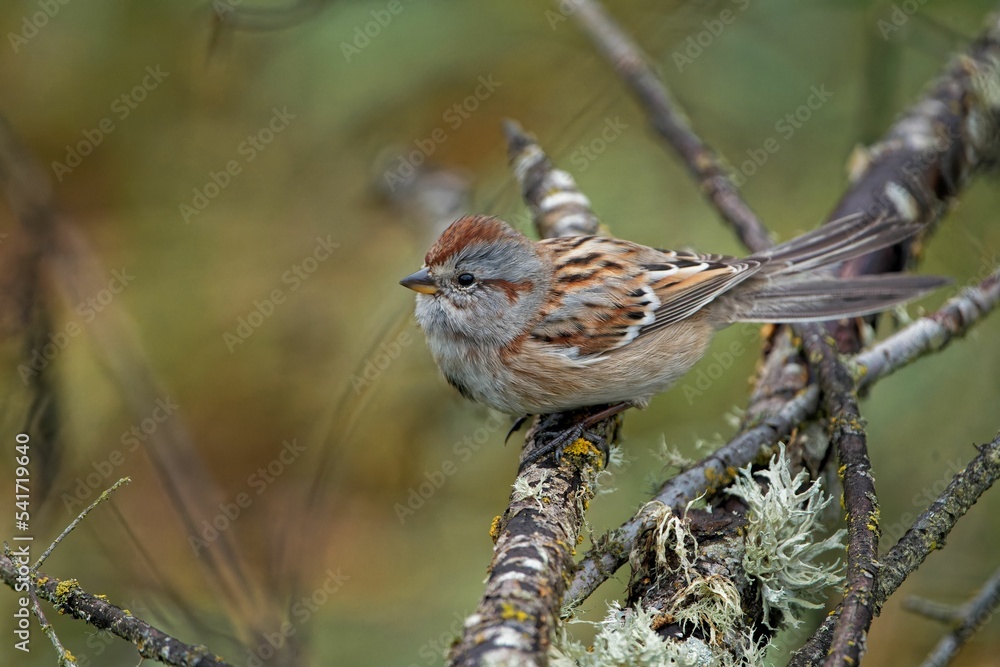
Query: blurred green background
[{"x": 406, "y": 578}]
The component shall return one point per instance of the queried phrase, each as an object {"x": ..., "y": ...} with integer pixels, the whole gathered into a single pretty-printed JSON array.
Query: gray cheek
[
  {"x": 427, "y": 312},
  {"x": 482, "y": 317},
  {"x": 437, "y": 316}
]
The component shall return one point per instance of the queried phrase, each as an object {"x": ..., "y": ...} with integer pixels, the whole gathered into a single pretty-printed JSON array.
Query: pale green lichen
[
  {"x": 670, "y": 537},
  {"x": 673, "y": 458},
  {"x": 710, "y": 603},
  {"x": 523, "y": 490},
  {"x": 782, "y": 552},
  {"x": 626, "y": 639}
]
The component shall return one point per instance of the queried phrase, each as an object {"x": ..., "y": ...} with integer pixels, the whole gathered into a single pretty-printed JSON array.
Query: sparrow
[{"x": 538, "y": 327}]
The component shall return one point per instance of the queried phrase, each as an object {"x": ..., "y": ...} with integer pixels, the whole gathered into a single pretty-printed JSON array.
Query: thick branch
[
  {"x": 536, "y": 541},
  {"x": 860, "y": 499}
]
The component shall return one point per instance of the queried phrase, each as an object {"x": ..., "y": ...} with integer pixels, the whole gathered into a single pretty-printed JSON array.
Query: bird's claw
[{"x": 560, "y": 441}]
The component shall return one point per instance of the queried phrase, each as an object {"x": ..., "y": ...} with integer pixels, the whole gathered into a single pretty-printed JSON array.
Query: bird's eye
[{"x": 465, "y": 279}]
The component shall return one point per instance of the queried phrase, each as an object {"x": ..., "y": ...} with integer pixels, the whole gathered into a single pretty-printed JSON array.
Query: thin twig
[
  {"x": 973, "y": 616},
  {"x": 66, "y": 659},
  {"x": 935, "y": 611},
  {"x": 69, "y": 529},
  {"x": 930, "y": 333},
  {"x": 666, "y": 117}
]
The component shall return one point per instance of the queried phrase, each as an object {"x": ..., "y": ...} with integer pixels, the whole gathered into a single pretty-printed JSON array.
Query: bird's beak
[{"x": 420, "y": 281}]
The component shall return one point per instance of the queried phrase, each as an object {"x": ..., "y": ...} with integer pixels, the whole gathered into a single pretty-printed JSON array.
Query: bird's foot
[{"x": 562, "y": 437}]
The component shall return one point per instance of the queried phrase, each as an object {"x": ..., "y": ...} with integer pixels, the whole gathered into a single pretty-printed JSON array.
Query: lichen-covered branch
[
  {"x": 154, "y": 644},
  {"x": 860, "y": 500},
  {"x": 667, "y": 118},
  {"x": 708, "y": 477},
  {"x": 908, "y": 175},
  {"x": 536, "y": 539},
  {"x": 927, "y": 534}
]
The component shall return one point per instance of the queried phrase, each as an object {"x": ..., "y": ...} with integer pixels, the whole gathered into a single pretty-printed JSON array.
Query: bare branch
[
  {"x": 930, "y": 333},
  {"x": 557, "y": 206},
  {"x": 935, "y": 611},
  {"x": 971, "y": 616},
  {"x": 666, "y": 117}
]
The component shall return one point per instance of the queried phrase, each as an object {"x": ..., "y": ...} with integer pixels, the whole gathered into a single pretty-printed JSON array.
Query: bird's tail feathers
[
  {"x": 814, "y": 300},
  {"x": 835, "y": 242}
]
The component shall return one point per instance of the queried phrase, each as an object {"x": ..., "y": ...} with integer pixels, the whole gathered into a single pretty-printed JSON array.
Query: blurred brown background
[{"x": 338, "y": 109}]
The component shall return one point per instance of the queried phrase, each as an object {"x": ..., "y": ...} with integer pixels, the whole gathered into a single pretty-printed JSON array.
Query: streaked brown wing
[
  {"x": 606, "y": 291},
  {"x": 697, "y": 280}
]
